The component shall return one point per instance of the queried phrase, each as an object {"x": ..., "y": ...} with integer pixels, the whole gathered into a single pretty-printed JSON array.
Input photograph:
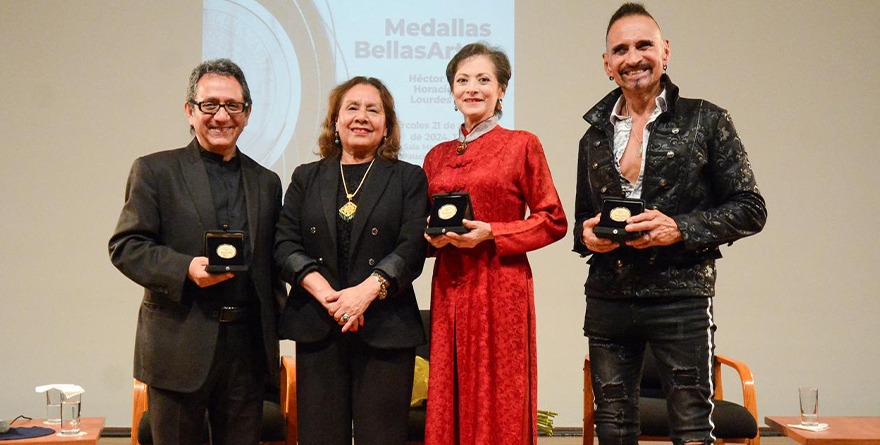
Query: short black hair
[{"x": 626, "y": 10}]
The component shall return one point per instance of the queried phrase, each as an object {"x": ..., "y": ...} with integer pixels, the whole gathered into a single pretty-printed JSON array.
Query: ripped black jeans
[{"x": 681, "y": 334}]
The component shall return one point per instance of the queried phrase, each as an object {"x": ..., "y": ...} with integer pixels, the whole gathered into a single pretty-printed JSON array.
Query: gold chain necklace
[{"x": 347, "y": 211}]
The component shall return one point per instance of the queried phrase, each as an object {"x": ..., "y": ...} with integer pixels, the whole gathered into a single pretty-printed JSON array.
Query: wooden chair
[
  {"x": 733, "y": 422},
  {"x": 279, "y": 419}
]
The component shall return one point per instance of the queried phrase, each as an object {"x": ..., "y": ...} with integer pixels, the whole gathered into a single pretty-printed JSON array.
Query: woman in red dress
[{"x": 483, "y": 375}]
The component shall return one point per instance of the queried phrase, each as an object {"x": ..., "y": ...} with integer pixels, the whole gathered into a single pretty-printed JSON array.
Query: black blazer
[
  {"x": 168, "y": 207},
  {"x": 387, "y": 235}
]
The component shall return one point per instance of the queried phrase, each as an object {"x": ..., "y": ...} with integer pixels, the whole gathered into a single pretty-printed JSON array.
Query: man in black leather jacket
[{"x": 684, "y": 160}]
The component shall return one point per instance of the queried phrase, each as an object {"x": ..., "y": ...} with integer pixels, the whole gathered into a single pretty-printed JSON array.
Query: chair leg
[
  {"x": 139, "y": 406},
  {"x": 589, "y": 425}
]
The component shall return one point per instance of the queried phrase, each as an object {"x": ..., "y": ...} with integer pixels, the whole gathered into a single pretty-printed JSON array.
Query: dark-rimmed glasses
[{"x": 208, "y": 107}]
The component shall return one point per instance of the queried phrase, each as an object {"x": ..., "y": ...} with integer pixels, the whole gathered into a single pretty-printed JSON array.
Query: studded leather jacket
[{"x": 696, "y": 172}]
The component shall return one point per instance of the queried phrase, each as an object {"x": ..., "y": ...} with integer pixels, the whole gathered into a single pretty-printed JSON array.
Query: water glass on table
[
  {"x": 53, "y": 407},
  {"x": 70, "y": 415},
  {"x": 809, "y": 397}
]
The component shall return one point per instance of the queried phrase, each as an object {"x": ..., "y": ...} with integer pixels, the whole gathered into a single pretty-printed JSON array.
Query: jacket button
[
  {"x": 670, "y": 154},
  {"x": 595, "y": 165},
  {"x": 374, "y": 231},
  {"x": 371, "y": 262},
  {"x": 619, "y": 264},
  {"x": 663, "y": 183},
  {"x": 321, "y": 260},
  {"x": 675, "y": 130},
  {"x": 597, "y": 143},
  {"x": 312, "y": 230},
  {"x": 604, "y": 189}
]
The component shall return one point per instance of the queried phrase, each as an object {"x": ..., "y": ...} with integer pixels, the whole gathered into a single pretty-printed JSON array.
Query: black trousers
[
  {"x": 232, "y": 396},
  {"x": 681, "y": 334},
  {"x": 343, "y": 382}
]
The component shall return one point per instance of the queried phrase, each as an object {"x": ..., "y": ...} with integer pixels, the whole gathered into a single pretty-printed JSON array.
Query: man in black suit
[{"x": 205, "y": 342}]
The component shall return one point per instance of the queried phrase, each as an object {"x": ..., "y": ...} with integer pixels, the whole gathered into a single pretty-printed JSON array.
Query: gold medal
[
  {"x": 226, "y": 251},
  {"x": 620, "y": 214},
  {"x": 447, "y": 211}
]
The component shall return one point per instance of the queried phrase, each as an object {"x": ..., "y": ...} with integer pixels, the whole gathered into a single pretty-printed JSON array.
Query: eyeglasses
[{"x": 214, "y": 107}]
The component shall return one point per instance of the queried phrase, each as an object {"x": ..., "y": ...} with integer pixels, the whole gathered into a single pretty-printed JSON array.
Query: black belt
[{"x": 231, "y": 314}]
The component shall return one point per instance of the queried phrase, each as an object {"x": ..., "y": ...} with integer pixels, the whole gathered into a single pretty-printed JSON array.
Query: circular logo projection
[{"x": 247, "y": 33}]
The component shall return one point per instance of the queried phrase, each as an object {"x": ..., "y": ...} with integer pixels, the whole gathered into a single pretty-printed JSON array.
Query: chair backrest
[{"x": 424, "y": 351}]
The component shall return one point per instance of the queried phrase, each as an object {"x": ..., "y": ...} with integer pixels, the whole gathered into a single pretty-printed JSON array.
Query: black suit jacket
[
  {"x": 168, "y": 207},
  {"x": 387, "y": 235}
]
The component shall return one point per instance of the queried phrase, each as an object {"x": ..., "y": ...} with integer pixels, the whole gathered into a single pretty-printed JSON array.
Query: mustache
[{"x": 639, "y": 67}]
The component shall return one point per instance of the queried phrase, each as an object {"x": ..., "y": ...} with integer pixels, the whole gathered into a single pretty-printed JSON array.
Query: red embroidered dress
[{"x": 483, "y": 377}]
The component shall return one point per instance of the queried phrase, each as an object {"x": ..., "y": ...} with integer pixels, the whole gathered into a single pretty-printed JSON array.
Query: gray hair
[{"x": 222, "y": 67}]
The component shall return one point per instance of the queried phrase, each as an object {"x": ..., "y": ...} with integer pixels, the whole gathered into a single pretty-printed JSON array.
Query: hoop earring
[{"x": 611, "y": 78}]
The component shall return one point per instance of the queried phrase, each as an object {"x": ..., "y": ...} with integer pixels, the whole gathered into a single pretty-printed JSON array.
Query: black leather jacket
[{"x": 696, "y": 171}]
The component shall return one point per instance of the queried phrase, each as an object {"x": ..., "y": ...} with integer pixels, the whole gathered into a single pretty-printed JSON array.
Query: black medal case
[
  {"x": 612, "y": 220},
  {"x": 448, "y": 212},
  {"x": 225, "y": 251}
]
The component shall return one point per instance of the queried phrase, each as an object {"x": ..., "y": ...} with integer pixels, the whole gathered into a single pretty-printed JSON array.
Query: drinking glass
[
  {"x": 70, "y": 408},
  {"x": 809, "y": 397},
  {"x": 53, "y": 407}
]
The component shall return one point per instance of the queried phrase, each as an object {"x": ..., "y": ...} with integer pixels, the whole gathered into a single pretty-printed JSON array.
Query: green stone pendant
[{"x": 347, "y": 211}]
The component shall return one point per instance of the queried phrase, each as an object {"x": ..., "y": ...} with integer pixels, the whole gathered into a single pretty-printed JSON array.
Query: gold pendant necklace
[{"x": 347, "y": 211}]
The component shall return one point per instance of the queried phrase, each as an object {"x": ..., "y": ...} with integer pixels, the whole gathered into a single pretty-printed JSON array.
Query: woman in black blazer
[{"x": 350, "y": 243}]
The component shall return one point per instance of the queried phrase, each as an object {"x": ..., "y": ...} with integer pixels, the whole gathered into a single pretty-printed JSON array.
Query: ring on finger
[{"x": 345, "y": 317}]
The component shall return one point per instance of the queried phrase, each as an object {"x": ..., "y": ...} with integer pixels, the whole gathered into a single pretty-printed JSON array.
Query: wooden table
[
  {"x": 91, "y": 425},
  {"x": 841, "y": 430}
]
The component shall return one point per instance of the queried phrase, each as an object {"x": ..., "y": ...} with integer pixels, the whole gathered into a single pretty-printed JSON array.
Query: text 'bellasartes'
[{"x": 400, "y": 49}]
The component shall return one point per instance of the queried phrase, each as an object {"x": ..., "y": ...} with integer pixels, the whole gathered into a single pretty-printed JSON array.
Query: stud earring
[{"x": 664, "y": 68}]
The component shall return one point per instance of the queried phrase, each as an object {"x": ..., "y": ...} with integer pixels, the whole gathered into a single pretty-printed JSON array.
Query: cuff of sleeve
[{"x": 305, "y": 271}]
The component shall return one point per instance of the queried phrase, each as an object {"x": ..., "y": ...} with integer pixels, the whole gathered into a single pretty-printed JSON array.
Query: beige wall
[{"x": 87, "y": 86}]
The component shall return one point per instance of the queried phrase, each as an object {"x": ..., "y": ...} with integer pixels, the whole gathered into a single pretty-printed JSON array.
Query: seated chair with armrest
[
  {"x": 279, "y": 419},
  {"x": 733, "y": 422}
]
